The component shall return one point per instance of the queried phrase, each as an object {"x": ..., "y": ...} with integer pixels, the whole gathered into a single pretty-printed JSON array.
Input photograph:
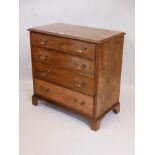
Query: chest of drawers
[{"x": 77, "y": 68}]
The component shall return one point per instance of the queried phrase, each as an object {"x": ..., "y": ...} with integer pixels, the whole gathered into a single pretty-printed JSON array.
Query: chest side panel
[{"x": 108, "y": 74}]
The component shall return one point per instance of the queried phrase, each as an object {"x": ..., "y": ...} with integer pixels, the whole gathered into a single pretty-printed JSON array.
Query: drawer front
[
  {"x": 65, "y": 78},
  {"x": 65, "y": 61},
  {"x": 71, "y": 46},
  {"x": 64, "y": 96}
]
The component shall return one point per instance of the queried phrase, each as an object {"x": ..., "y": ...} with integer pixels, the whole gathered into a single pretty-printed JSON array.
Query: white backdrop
[{"x": 107, "y": 14}]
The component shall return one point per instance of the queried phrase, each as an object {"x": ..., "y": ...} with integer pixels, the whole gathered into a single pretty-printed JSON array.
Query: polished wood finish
[
  {"x": 64, "y": 78},
  {"x": 65, "y": 45},
  {"x": 108, "y": 64},
  {"x": 72, "y": 99},
  {"x": 68, "y": 62},
  {"x": 83, "y": 33},
  {"x": 78, "y": 68}
]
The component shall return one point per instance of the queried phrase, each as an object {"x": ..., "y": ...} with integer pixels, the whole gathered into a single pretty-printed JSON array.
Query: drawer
[
  {"x": 64, "y": 96},
  {"x": 63, "y": 60},
  {"x": 64, "y": 78},
  {"x": 70, "y": 46}
]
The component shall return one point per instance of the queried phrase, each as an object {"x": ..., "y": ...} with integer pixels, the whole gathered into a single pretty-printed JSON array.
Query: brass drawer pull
[
  {"x": 78, "y": 49},
  {"x": 43, "y": 56},
  {"x": 82, "y": 67},
  {"x": 44, "y": 90},
  {"x": 44, "y": 72},
  {"x": 43, "y": 42},
  {"x": 78, "y": 84}
]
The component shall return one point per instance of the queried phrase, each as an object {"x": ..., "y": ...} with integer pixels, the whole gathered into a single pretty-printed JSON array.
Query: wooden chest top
[{"x": 77, "y": 32}]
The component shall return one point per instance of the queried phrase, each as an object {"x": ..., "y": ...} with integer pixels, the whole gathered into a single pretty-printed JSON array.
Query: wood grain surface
[
  {"x": 108, "y": 74},
  {"x": 72, "y": 99},
  {"x": 82, "y": 66},
  {"x": 83, "y": 33},
  {"x": 70, "y": 46},
  {"x": 64, "y": 78},
  {"x": 78, "y": 68}
]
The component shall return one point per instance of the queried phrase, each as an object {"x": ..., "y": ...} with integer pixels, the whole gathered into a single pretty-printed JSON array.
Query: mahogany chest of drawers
[{"x": 78, "y": 68}]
